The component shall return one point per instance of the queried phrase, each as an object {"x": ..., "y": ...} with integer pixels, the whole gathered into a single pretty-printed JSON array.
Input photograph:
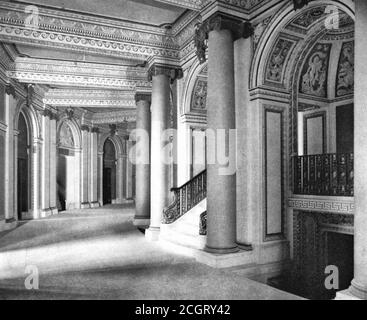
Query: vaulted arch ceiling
[{"x": 284, "y": 41}]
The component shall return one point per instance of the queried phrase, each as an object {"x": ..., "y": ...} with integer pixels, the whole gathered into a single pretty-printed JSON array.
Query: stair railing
[{"x": 185, "y": 198}]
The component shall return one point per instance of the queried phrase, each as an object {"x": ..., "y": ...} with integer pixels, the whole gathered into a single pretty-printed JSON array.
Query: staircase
[{"x": 184, "y": 221}]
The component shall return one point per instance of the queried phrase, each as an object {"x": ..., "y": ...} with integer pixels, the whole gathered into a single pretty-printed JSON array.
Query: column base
[
  {"x": 345, "y": 295},
  {"x": 358, "y": 291},
  {"x": 245, "y": 247},
  {"x": 8, "y": 224},
  {"x": 141, "y": 222},
  {"x": 152, "y": 234},
  {"x": 54, "y": 211},
  {"x": 46, "y": 213},
  {"x": 85, "y": 205},
  {"x": 221, "y": 250},
  {"x": 94, "y": 204},
  {"x": 239, "y": 258}
]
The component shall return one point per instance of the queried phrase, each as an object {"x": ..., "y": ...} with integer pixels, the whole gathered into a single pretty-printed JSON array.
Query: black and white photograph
[{"x": 193, "y": 152}]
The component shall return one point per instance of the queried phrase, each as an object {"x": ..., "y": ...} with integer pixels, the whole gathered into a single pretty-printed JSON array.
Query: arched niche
[
  {"x": 68, "y": 165},
  {"x": 26, "y": 161},
  {"x": 112, "y": 169}
]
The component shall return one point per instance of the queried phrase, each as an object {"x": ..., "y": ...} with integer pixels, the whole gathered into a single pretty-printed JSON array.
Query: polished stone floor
[{"x": 98, "y": 254}]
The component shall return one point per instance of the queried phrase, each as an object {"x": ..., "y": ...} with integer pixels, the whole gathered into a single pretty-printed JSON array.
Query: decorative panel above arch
[
  {"x": 199, "y": 95},
  {"x": 315, "y": 71},
  {"x": 278, "y": 60},
  {"x": 345, "y": 73},
  {"x": 66, "y": 138}
]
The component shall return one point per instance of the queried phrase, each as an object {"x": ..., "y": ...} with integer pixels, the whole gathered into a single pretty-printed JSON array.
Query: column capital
[
  {"x": 48, "y": 113},
  {"x": 94, "y": 130},
  {"x": 142, "y": 96},
  {"x": 172, "y": 72},
  {"x": 84, "y": 127},
  {"x": 10, "y": 90},
  {"x": 219, "y": 21}
]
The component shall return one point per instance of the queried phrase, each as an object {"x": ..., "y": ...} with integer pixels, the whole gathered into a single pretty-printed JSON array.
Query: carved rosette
[
  {"x": 170, "y": 71},
  {"x": 238, "y": 27}
]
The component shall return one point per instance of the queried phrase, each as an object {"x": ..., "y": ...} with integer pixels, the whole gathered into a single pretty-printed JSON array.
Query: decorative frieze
[
  {"x": 114, "y": 117},
  {"x": 322, "y": 204}
]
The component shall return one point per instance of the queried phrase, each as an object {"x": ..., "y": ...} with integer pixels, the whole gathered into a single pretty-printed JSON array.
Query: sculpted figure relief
[
  {"x": 314, "y": 76},
  {"x": 345, "y": 76},
  {"x": 66, "y": 136},
  {"x": 277, "y": 59}
]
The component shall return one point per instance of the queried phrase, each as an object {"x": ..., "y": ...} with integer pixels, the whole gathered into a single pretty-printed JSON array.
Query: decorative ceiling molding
[
  {"x": 89, "y": 98},
  {"x": 85, "y": 33},
  {"x": 188, "y": 4},
  {"x": 114, "y": 117},
  {"x": 65, "y": 73}
]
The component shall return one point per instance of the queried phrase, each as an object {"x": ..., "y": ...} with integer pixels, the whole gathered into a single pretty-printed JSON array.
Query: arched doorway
[
  {"x": 109, "y": 172},
  {"x": 68, "y": 169},
  {"x": 23, "y": 167}
]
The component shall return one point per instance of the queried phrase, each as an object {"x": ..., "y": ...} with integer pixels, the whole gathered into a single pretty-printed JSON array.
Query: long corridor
[{"x": 99, "y": 254}]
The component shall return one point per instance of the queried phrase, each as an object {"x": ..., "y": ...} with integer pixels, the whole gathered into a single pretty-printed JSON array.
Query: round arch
[
  {"x": 267, "y": 41},
  {"x": 74, "y": 127},
  {"x": 69, "y": 184},
  {"x": 192, "y": 76},
  {"x": 116, "y": 140}
]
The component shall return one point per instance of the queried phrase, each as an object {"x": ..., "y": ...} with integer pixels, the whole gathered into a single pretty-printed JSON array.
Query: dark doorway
[
  {"x": 107, "y": 195},
  {"x": 61, "y": 181},
  {"x": 345, "y": 129},
  {"x": 109, "y": 172},
  {"x": 23, "y": 166},
  {"x": 340, "y": 253}
]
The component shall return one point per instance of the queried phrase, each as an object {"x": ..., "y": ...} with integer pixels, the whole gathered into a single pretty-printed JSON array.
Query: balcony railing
[
  {"x": 186, "y": 197},
  {"x": 324, "y": 174}
]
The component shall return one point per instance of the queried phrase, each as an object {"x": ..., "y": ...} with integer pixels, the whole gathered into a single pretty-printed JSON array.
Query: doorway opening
[
  {"x": 23, "y": 167},
  {"x": 109, "y": 172}
]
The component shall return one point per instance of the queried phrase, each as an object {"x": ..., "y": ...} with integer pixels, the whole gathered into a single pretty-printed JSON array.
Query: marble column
[
  {"x": 359, "y": 284},
  {"x": 248, "y": 170},
  {"x": 221, "y": 189},
  {"x": 93, "y": 168},
  {"x": 100, "y": 178},
  {"x": 162, "y": 76},
  {"x": 85, "y": 167},
  {"x": 45, "y": 191},
  {"x": 142, "y": 184},
  {"x": 221, "y": 32},
  {"x": 128, "y": 173},
  {"x": 36, "y": 150},
  {"x": 53, "y": 164}
]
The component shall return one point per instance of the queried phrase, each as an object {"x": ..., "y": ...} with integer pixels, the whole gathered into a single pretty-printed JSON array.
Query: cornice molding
[
  {"x": 28, "y": 70},
  {"x": 188, "y": 4},
  {"x": 114, "y": 117},
  {"x": 90, "y": 98},
  {"x": 86, "y": 33}
]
